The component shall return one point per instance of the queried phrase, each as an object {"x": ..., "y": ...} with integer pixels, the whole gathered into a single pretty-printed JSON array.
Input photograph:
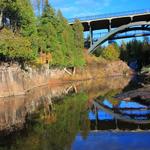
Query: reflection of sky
[
  {"x": 101, "y": 115},
  {"x": 125, "y": 104},
  {"x": 113, "y": 141},
  {"x": 107, "y": 103},
  {"x": 92, "y": 115},
  {"x": 104, "y": 115}
]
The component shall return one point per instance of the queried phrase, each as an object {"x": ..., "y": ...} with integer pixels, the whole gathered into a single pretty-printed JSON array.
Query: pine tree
[
  {"x": 65, "y": 38},
  {"x": 26, "y": 18},
  {"x": 26, "y": 22},
  {"x": 48, "y": 41},
  {"x": 78, "y": 34},
  {"x": 20, "y": 14},
  {"x": 78, "y": 43}
]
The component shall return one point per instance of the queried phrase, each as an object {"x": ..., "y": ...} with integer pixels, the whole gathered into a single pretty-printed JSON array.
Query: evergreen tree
[
  {"x": 7, "y": 11},
  {"x": 20, "y": 15},
  {"x": 124, "y": 52},
  {"x": 78, "y": 34},
  {"x": 27, "y": 22},
  {"x": 65, "y": 35},
  {"x": 47, "y": 31},
  {"x": 78, "y": 42}
]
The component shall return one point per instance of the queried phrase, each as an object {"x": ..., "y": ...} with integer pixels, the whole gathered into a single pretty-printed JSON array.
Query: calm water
[{"x": 79, "y": 116}]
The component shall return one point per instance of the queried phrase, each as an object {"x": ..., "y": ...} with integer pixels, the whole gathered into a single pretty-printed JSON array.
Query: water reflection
[
  {"x": 126, "y": 115},
  {"x": 55, "y": 130},
  {"x": 113, "y": 141},
  {"x": 15, "y": 110},
  {"x": 56, "y": 118}
]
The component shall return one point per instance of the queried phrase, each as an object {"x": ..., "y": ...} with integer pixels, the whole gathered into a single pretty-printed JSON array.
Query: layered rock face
[
  {"x": 14, "y": 81},
  {"x": 117, "y": 68}
]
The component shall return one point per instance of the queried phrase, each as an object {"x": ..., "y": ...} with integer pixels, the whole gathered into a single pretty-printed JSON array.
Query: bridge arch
[{"x": 142, "y": 25}]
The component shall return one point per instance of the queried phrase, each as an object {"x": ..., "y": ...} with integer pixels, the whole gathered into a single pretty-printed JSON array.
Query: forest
[{"x": 36, "y": 33}]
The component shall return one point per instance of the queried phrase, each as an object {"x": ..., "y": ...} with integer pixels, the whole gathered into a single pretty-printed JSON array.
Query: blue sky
[{"x": 77, "y": 8}]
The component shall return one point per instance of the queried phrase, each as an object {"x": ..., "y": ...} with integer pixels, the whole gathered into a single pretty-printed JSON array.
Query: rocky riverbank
[{"x": 15, "y": 81}]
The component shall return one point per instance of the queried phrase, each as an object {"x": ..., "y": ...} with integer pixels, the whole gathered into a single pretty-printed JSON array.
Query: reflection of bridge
[
  {"x": 116, "y": 23},
  {"x": 127, "y": 115}
]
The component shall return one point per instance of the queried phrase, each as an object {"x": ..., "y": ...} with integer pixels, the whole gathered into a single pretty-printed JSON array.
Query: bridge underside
[
  {"x": 136, "y": 32},
  {"x": 113, "y": 22}
]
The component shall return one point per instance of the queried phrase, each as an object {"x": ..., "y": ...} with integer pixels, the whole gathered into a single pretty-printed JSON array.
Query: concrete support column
[
  {"x": 109, "y": 29},
  {"x": 91, "y": 34},
  {"x": 109, "y": 26},
  {"x": 131, "y": 17}
]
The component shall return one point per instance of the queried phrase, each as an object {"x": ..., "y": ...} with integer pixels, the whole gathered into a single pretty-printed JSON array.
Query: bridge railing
[{"x": 110, "y": 15}]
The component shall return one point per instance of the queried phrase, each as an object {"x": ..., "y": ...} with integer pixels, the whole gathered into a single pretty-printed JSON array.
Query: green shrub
[
  {"x": 110, "y": 52},
  {"x": 15, "y": 47}
]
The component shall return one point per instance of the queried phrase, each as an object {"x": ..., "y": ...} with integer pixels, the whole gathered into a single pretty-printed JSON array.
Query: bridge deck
[{"x": 113, "y": 20}]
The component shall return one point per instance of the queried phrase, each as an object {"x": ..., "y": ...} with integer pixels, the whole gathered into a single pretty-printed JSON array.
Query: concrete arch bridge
[{"x": 116, "y": 24}]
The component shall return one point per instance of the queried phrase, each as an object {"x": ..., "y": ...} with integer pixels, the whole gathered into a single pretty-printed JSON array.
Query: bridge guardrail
[{"x": 110, "y": 15}]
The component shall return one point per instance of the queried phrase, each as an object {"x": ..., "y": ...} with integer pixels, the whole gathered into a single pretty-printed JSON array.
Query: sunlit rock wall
[
  {"x": 117, "y": 68},
  {"x": 14, "y": 81}
]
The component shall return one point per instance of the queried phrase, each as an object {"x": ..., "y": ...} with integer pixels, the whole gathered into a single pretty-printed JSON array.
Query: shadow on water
[{"x": 74, "y": 116}]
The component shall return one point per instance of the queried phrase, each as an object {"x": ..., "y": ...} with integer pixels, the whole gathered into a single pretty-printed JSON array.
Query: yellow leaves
[
  {"x": 44, "y": 58},
  {"x": 110, "y": 52},
  {"x": 5, "y": 34}
]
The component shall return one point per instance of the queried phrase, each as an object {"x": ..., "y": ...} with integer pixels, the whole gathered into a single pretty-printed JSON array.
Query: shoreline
[{"x": 16, "y": 82}]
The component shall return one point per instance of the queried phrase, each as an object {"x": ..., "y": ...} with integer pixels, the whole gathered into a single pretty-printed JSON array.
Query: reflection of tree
[
  {"x": 62, "y": 133},
  {"x": 85, "y": 125},
  {"x": 110, "y": 96},
  {"x": 71, "y": 118}
]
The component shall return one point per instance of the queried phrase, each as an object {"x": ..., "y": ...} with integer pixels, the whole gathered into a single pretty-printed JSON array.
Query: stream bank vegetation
[
  {"x": 47, "y": 38},
  {"x": 134, "y": 51}
]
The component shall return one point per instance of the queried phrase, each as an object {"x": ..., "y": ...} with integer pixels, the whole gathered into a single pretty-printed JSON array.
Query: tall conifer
[{"x": 78, "y": 42}]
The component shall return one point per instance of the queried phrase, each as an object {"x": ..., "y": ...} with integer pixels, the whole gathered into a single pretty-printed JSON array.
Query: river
[{"x": 76, "y": 116}]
